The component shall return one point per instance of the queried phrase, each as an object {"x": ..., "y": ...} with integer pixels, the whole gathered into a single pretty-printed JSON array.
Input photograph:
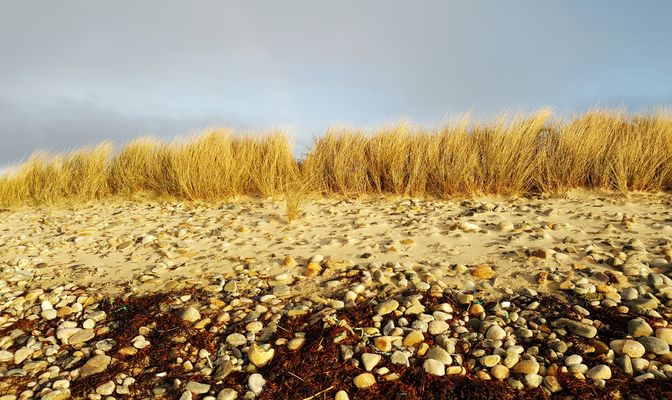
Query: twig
[
  {"x": 319, "y": 393},
  {"x": 296, "y": 376}
]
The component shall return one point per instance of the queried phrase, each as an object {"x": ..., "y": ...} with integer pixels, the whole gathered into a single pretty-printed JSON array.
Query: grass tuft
[{"x": 512, "y": 154}]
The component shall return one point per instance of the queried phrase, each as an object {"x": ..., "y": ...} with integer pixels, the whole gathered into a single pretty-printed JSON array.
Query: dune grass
[{"x": 511, "y": 154}]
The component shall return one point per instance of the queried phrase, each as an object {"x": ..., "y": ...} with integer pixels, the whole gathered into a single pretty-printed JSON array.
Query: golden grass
[{"x": 512, "y": 154}]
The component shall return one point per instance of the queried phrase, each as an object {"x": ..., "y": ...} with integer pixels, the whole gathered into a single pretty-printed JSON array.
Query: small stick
[
  {"x": 296, "y": 376},
  {"x": 319, "y": 393}
]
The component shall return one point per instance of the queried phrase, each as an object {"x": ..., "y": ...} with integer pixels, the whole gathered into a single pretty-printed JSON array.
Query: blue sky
[{"x": 76, "y": 72}]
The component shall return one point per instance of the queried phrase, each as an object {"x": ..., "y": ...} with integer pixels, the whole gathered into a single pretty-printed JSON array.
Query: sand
[{"x": 144, "y": 247}]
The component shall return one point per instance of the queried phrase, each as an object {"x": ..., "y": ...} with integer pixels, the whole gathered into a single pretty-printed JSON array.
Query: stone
[
  {"x": 599, "y": 372},
  {"x": 189, "y": 314},
  {"x": 631, "y": 348},
  {"x": 434, "y": 367},
  {"x": 256, "y": 383},
  {"x": 106, "y": 388},
  {"x": 483, "y": 272},
  {"x": 574, "y": 359},
  {"x": 258, "y": 356},
  {"x": 582, "y": 330},
  {"x": 34, "y": 367},
  {"x": 664, "y": 334},
  {"x": 223, "y": 370},
  {"x": 227, "y": 394},
  {"x": 438, "y": 327},
  {"x": 655, "y": 345},
  {"x": 341, "y": 395},
  {"x": 490, "y": 360},
  {"x": 57, "y": 395},
  {"x": 386, "y": 307},
  {"x": 500, "y": 372},
  {"x": 281, "y": 291},
  {"x": 236, "y": 339},
  {"x": 533, "y": 380},
  {"x": 197, "y": 387},
  {"x": 639, "y": 328},
  {"x": 413, "y": 339},
  {"x": 439, "y": 354},
  {"x": 552, "y": 384},
  {"x": 495, "y": 332},
  {"x": 82, "y": 336},
  {"x": 526, "y": 367},
  {"x": 370, "y": 361},
  {"x": 365, "y": 380},
  {"x": 400, "y": 358},
  {"x": 22, "y": 354},
  {"x": 95, "y": 365}
]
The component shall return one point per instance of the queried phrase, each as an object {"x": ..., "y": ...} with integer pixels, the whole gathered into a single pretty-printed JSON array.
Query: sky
[{"x": 73, "y": 73}]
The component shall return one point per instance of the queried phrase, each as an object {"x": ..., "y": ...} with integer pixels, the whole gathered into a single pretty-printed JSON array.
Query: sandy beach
[
  {"x": 150, "y": 247},
  {"x": 585, "y": 248}
]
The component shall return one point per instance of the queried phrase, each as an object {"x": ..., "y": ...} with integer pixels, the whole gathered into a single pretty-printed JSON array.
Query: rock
[
  {"x": 439, "y": 354},
  {"x": 21, "y": 354},
  {"x": 526, "y": 367},
  {"x": 370, "y": 361},
  {"x": 106, "y": 388},
  {"x": 95, "y": 365},
  {"x": 489, "y": 360},
  {"x": 505, "y": 225},
  {"x": 82, "y": 336},
  {"x": 551, "y": 383},
  {"x": 483, "y": 272},
  {"x": 500, "y": 372},
  {"x": 386, "y": 307},
  {"x": 664, "y": 334},
  {"x": 495, "y": 332},
  {"x": 341, "y": 395},
  {"x": 187, "y": 396},
  {"x": 413, "y": 339},
  {"x": 281, "y": 291},
  {"x": 223, "y": 370},
  {"x": 197, "y": 387},
  {"x": 625, "y": 363},
  {"x": 365, "y": 380},
  {"x": 655, "y": 345},
  {"x": 628, "y": 347},
  {"x": 227, "y": 394},
  {"x": 236, "y": 339},
  {"x": 434, "y": 367},
  {"x": 582, "y": 330},
  {"x": 34, "y": 367},
  {"x": 400, "y": 358},
  {"x": 57, "y": 395},
  {"x": 599, "y": 372},
  {"x": 638, "y": 328},
  {"x": 258, "y": 356},
  {"x": 574, "y": 359},
  {"x": 438, "y": 327},
  {"x": 533, "y": 380},
  {"x": 189, "y": 314},
  {"x": 256, "y": 384}
]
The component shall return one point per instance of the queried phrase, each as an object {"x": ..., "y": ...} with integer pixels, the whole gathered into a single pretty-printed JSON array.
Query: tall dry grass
[{"x": 511, "y": 154}]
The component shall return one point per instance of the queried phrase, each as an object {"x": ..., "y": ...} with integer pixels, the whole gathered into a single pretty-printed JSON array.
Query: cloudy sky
[{"x": 76, "y": 72}]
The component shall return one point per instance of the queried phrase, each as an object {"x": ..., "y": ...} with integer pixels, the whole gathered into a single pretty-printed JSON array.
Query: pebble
[
  {"x": 256, "y": 383},
  {"x": 189, "y": 314},
  {"x": 95, "y": 365},
  {"x": 365, "y": 380},
  {"x": 434, "y": 367},
  {"x": 258, "y": 356},
  {"x": 370, "y": 361},
  {"x": 654, "y": 345},
  {"x": 638, "y": 328}
]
